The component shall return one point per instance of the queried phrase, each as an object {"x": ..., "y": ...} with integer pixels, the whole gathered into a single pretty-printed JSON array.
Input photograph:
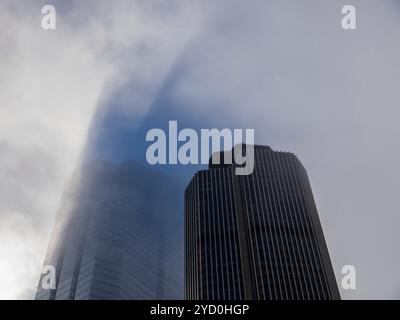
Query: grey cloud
[
  {"x": 283, "y": 67},
  {"x": 288, "y": 70}
]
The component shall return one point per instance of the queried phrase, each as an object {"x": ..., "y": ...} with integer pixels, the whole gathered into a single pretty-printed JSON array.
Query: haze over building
[{"x": 112, "y": 238}]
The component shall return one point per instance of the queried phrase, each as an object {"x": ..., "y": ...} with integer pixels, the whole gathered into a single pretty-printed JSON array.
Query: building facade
[
  {"x": 255, "y": 236},
  {"x": 111, "y": 242}
]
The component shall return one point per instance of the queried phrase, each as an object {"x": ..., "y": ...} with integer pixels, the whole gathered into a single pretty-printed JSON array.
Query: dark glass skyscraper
[
  {"x": 112, "y": 238},
  {"x": 255, "y": 236}
]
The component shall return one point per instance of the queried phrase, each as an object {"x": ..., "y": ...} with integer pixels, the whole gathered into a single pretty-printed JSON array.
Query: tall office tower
[
  {"x": 255, "y": 236},
  {"x": 113, "y": 238}
]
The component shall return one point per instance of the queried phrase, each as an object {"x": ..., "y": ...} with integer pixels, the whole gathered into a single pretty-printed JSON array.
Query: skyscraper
[
  {"x": 111, "y": 239},
  {"x": 255, "y": 236}
]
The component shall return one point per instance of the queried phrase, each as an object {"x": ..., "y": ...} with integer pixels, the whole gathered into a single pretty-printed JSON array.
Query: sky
[{"x": 113, "y": 70}]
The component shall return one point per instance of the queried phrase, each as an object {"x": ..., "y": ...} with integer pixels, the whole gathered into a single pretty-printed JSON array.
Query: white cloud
[{"x": 51, "y": 84}]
